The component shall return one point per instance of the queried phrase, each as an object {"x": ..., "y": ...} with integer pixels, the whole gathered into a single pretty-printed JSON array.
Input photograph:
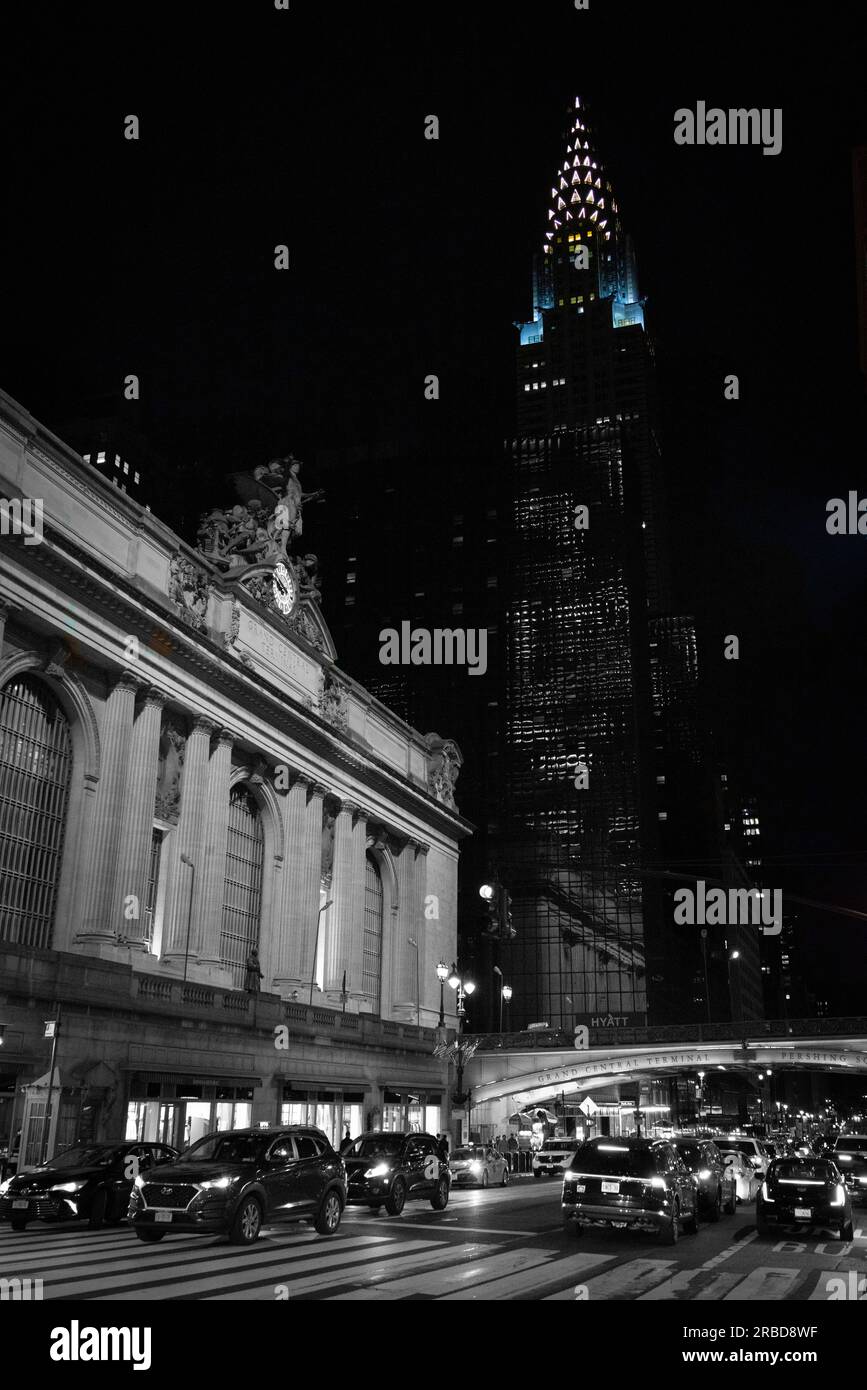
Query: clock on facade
[{"x": 285, "y": 588}]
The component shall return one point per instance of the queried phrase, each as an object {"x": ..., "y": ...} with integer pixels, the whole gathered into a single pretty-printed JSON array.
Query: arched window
[
  {"x": 35, "y": 769},
  {"x": 371, "y": 980},
  {"x": 242, "y": 893}
]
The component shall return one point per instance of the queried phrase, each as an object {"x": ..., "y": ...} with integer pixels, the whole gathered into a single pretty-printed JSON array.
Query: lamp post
[
  {"x": 463, "y": 988},
  {"x": 442, "y": 976},
  {"x": 505, "y": 995}
]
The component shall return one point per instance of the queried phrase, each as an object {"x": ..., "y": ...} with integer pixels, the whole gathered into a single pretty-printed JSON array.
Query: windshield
[
  {"x": 376, "y": 1144},
  {"x": 743, "y": 1146},
  {"x": 560, "y": 1145},
  {"x": 85, "y": 1156},
  {"x": 468, "y": 1153},
  {"x": 225, "y": 1148},
  {"x": 616, "y": 1159},
  {"x": 852, "y": 1144},
  {"x": 803, "y": 1170}
]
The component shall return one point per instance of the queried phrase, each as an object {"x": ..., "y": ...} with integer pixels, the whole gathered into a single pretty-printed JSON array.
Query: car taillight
[{"x": 656, "y": 1182}]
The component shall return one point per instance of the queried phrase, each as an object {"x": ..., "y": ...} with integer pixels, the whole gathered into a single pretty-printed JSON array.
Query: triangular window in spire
[
  {"x": 581, "y": 213},
  {"x": 576, "y": 177},
  {"x": 590, "y": 199},
  {"x": 568, "y": 217},
  {"x": 550, "y": 213},
  {"x": 601, "y": 203},
  {"x": 587, "y": 161},
  {"x": 593, "y": 216},
  {"x": 557, "y": 224},
  {"x": 588, "y": 177},
  {"x": 576, "y": 197},
  {"x": 597, "y": 183},
  {"x": 560, "y": 203},
  {"x": 563, "y": 183}
]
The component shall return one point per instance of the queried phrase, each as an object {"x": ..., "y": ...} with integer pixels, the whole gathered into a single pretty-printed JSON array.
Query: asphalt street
[{"x": 498, "y": 1244}]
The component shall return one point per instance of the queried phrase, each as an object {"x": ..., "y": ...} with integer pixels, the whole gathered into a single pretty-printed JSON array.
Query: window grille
[
  {"x": 242, "y": 892},
  {"x": 373, "y": 906},
  {"x": 35, "y": 771}
]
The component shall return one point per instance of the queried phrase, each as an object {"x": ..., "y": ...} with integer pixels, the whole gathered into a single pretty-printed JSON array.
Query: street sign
[
  {"x": 536, "y": 1027},
  {"x": 582, "y": 1037},
  {"x": 50, "y": 1028},
  {"x": 588, "y": 1107}
]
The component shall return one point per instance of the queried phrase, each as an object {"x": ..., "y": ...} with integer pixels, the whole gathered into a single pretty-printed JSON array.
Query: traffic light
[{"x": 498, "y": 911}]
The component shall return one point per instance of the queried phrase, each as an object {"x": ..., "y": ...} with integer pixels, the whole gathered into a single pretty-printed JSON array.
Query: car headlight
[
  {"x": 216, "y": 1182},
  {"x": 139, "y": 1182},
  {"x": 5, "y": 1186},
  {"x": 475, "y": 1166},
  {"x": 657, "y": 1182},
  {"x": 765, "y": 1197},
  {"x": 705, "y": 1174},
  {"x": 839, "y": 1198},
  {"x": 378, "y": 1172},
  {"x": 69, "y": 1186},
  {"x": 844, "y": 1158}
]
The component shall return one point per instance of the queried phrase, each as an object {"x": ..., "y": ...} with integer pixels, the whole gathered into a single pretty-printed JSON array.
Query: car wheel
[
  {"x": 97, "y": 1211},
  {"x": 729, "y": 1207},
  {"x": 690, "y": 1225},
  {"x": 485, "y": 1179},
  {"x": 716, "y": 1210},
  {"x": 536, "y": 1173},
  {"x": 505, "y": 1181},
  {"x": 329, "y": 1214},
  {"x": 671, "y": 1234},
  {"x": 847, "y": 1230},
  {"x": 146, "y": 1233},
  {"x": 396, "y": 1199},
  {"x": 440, "y": 1200},
  {"x": 247, "y": 1223},
  {"x": 17, "y": 1225}
]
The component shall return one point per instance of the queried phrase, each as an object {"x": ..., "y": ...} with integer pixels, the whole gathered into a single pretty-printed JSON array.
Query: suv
[
  {"x": 392, "y": 1169},
  {"x": 554, "y": 1156},
  {"x": 804, "y": 1191},
  {"x": 715, "y": 1186},
  {"x": 637, "y": 1183},
  {"x": 89, "y": 1180},
  {"x": 233, "y": 1182},
  {"x": 850, "y": 1155}
]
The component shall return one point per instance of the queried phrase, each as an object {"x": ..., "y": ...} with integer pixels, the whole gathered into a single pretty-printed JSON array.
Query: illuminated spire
[{"x": 581, "y": 152}]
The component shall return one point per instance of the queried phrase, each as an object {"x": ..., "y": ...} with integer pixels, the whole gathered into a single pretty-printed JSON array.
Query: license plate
[
  {"x": 611, "y": 1187},
  {"x": 803, "y": 1213},
  {"x": 581, "y": 1187},
  {"x": 162, "y": 1216},
  {"x": 20, "y": 1205}
]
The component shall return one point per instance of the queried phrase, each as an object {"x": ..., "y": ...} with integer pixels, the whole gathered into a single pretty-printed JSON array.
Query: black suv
[
  {"x": 391, "y": 1169},
  {"x": 89, "y": 1180},
  {"x": 804, "y": 1192},
  {"x": 715, "y": 1186},
  {"x": 639, "y": 1183},
  {"x": 234, "y": 1182}
]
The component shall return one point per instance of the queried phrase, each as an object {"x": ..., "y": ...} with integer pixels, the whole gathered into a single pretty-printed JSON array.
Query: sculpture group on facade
[{"x": 265, "y": 524}]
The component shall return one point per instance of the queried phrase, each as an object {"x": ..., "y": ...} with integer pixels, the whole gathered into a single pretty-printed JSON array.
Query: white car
[
  {"x": 554, "y": 1156},
  {"x": 742, "y": 1169},
  {"x": 752, "y": 1148}
]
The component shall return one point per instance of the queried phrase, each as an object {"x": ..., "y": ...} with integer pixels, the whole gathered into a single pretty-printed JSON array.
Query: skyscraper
[{"x": 602, "y": 727}]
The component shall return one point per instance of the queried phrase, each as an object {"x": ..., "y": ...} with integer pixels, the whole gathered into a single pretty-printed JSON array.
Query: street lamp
[
  {"x": 464, "y": 989},
  {"x": 442, "y": 976},
  {"x": 505, "y": 993}
]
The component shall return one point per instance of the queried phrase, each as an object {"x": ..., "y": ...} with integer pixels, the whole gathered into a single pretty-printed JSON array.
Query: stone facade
[{"x": 187, "y": 692}]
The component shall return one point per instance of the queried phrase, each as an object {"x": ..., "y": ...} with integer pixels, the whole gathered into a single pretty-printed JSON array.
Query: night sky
[{"x": 408, "y": 257}]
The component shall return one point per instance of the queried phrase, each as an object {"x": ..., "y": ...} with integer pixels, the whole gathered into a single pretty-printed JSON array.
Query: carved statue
[
  {"x": 329, "y": 819},
  {"x": 307, "y": 567},
  {"x": 445, "y": 761},
  {"x": 188, "y": 588},
  {"x": 264, "y": 524},
  {"x": 172, "y": 748},
  {"x": 334, "y": 703}
]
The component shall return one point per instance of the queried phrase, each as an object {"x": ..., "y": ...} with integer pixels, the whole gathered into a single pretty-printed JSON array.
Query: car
[
  {"x": 90, "y": 1181},
  {"x": 554, "y": 1157},
  {"x": 715, "y": 1184},
  {"x": 236, "y": 1181},
  {"x": 850, "y": 1153},
  {"x": 477, "y": 1166},
  {"x": 390, "y": 1169},
  {"x": 804, "y": 1192},
  {"x": 638, "y": 1183},
  {"x": 742, "y": 1169},
  {"x": 752, "y": 1148}
]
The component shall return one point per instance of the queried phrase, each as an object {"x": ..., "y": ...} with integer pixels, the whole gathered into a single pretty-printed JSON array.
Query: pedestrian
[
  {"x": 348, "y": 1141},
  {"x": 254, "y": 974},
  {"x": 443, "y": 1148},
  {"x": 512, "y": 1145}
]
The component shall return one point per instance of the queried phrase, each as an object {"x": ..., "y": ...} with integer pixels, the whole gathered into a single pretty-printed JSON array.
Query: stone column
[
  {"x": 410, "y": 884},
  {"x": 208, "y": 902},
  {"x": 346, "y": 917},
  {"x": 4, "y": 615},
  {"x": 136, "y": 830},
  {"x": 98, "y": 919},
  {"x": 194, "y": 796},
  {"x": 302, "y": 871}
]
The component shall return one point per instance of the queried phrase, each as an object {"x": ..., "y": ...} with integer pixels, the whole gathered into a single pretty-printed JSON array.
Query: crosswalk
[{"x": 422, "y": 1261}]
